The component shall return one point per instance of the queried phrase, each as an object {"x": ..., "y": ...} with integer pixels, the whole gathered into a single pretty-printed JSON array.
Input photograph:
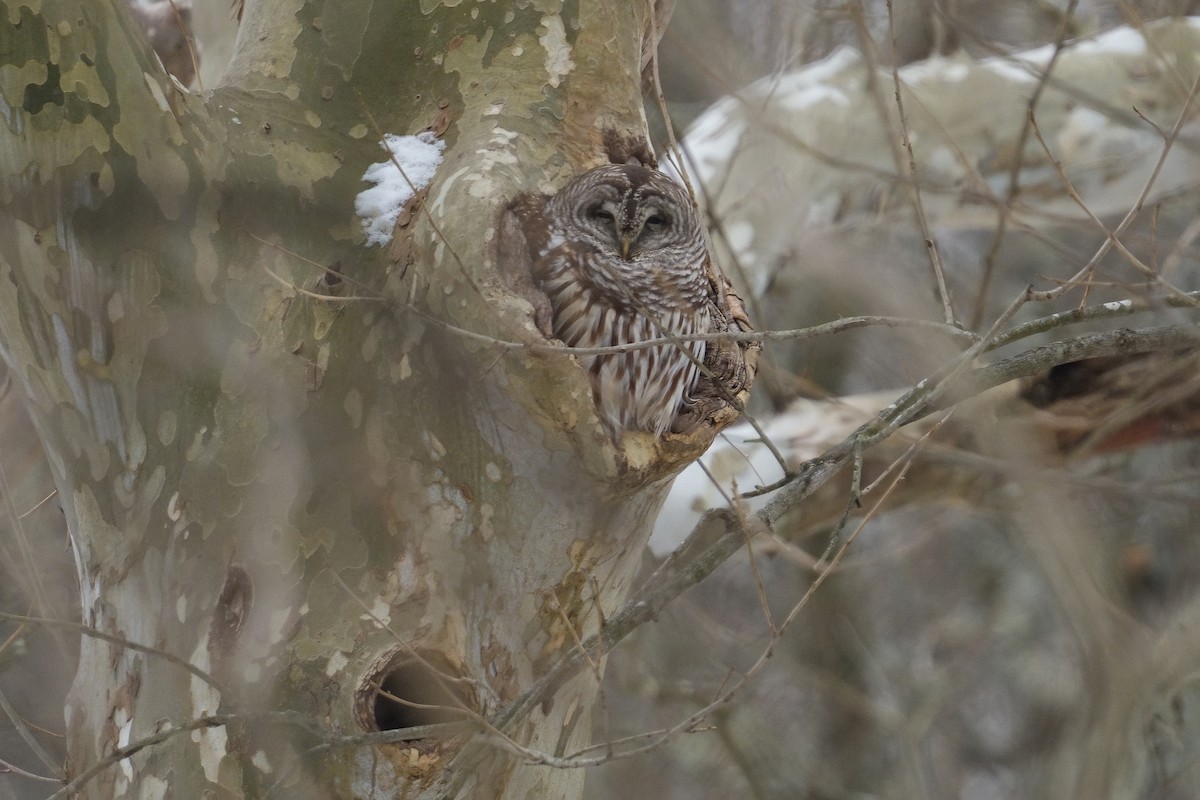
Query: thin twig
[
  {"x": 1115, "y": 308},
  {"x": 1018, "y": 162},
  {"x": 23, "y": 731},
  {"x": 191, "y": 44},
  {"x": 673, "y": 145},
  {"x": 39, "y": 504},
  {"x": 8, "y": 766},
  {"x": 38, "y": 589},
  {"x": 935, "y": 259},
  {"x": 122, "y": 753},
  {"x": 1112, "y": 238},
  {"x": 117, "y": 640},
  {"x": 1117, "y": 232},
  {"x": 919, "y": 400}
]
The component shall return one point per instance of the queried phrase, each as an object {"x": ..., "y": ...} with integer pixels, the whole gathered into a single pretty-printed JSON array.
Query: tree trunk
[{"x": 289, "y": 476}]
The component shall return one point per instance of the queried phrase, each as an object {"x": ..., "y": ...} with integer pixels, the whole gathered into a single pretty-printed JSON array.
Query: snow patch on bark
[{"x": 413, "y": 163}]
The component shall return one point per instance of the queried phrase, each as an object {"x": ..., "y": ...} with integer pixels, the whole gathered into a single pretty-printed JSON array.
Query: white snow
[
  {"x": 694, "y": 491},
  {"x": 803, "y": 99},
  {"x": 937, "y": 68},
  {"x": 715, "y": 136},
  {"x": 1122, "y": 41},
  {"x": 1021, "y": 67},
  {"x": 417, "y": 158},
  {"x": 1125, "y": 41},
  {"x": 1088, "y": 137},
  {"x": 831, "y": 66},
  {"x": 739, "y": 461}
]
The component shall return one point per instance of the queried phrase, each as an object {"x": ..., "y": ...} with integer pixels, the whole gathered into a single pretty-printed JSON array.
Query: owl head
[{"x": 628, "y": 211}]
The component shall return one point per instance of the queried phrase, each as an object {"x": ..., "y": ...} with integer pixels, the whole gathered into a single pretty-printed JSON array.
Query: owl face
[
  {"x": 628, "y": 211},
  {"x": 626, "y": 224}
]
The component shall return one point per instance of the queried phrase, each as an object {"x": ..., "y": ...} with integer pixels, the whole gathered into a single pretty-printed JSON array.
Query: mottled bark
[{"x": 296, "y": 479}]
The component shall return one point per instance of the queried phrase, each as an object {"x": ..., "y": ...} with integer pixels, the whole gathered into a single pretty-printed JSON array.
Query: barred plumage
[{"x": 625, "y": 261}]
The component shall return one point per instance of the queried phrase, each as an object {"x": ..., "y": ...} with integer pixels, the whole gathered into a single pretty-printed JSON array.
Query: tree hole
[{"x": 414, "y": 691}]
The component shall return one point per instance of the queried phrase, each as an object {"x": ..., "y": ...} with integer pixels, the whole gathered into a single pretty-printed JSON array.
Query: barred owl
[{"x": 624, "y": 260}]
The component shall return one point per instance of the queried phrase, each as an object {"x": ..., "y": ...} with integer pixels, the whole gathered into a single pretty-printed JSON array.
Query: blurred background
[{"x": 1020, "y": 618}]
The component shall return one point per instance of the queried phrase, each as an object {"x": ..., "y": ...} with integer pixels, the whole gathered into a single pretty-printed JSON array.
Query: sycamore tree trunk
[{"x": 290, "y": 477}]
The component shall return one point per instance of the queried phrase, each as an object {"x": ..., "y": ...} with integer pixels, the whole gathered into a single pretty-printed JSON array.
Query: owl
[{"x": 624, "y": 259}]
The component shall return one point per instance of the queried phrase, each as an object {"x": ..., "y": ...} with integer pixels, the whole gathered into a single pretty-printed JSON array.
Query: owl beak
[{"x": 626, "y": 245}]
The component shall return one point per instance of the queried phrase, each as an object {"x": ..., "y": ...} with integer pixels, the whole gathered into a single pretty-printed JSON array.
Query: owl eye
[
  {"x": 656, "y": 222},
  {"x": 602, "y": 214}
]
